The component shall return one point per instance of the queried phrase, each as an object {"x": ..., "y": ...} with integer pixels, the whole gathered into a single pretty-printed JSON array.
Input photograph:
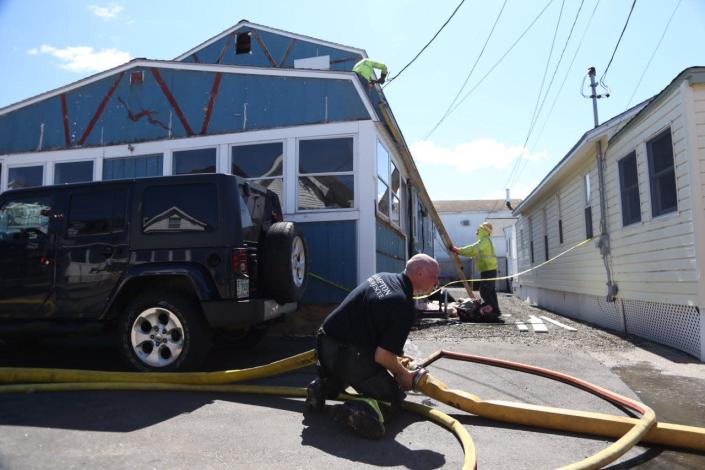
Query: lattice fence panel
[{"x": 677, "y": 326}]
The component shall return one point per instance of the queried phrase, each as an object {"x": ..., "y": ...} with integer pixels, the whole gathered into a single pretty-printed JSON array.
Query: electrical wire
[
  {"x": 653, "y": 53},
  {"x": 538, "y": 98},
  {"x": 522, "y": 163},
  {"x": 427, "y": 44},
  {"x": 472, "y": 69},
  {"x": 602, "y": 78},
  {"x": 570, "y": 67},
  {"x": 528, "y": 28}
]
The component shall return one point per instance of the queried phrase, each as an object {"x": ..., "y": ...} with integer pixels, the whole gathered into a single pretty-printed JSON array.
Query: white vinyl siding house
[{"x": 654, "y": 177}]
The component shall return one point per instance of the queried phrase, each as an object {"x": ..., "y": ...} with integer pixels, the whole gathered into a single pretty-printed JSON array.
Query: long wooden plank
[
  {"x": 557, "y": 323},
  {"x": 537, "y": 324}
]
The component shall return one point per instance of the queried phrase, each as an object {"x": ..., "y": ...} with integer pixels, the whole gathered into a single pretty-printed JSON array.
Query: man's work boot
[
  {"x": 314, "y": 396},
  {"x": 362, "y": 417}
]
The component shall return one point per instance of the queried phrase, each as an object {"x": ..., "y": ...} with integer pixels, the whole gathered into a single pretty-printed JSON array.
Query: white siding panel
[{"x": 655, "y": 258}]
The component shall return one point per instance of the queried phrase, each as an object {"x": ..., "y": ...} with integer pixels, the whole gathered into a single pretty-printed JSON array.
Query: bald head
[{"x": 422, "y": 270}]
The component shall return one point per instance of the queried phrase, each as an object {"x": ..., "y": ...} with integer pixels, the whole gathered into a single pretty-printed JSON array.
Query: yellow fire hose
[{"x": 630, "y": 431}]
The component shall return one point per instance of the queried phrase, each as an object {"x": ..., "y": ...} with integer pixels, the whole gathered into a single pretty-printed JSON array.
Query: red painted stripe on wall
[
  {"x": 100, "y": 109},
  {"x": 65, "y": 115},
  {"x": 172, "y": 101},
  {"x": 211, "y": 101}
]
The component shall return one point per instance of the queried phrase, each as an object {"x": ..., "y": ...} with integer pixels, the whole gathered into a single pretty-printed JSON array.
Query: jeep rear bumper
[{"x": 235, "y": 314}]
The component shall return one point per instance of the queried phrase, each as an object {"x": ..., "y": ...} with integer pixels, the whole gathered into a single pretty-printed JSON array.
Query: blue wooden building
[{"x": 281, "y": 109}]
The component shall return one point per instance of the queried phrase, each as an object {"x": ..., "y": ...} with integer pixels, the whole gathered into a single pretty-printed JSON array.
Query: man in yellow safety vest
[
  {"x": 483, "y": 251},
  {"x": 365, "y": 68}
]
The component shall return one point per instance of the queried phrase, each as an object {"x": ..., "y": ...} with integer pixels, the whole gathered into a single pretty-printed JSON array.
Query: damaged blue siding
[
  {"x": 270, "y": 50},
  {"x": 391, "y": 250},
  {"x": 173, "y": 103},
  {"x": 332, "y": 250}
]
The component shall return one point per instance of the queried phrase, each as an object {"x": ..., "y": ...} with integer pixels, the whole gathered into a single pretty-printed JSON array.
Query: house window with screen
[
  {"x": 260, "y": 163},
  {"x": 662, "y": 177},
  {"x": 629, "y": 190},
  {"x": 325, "y": 174}
]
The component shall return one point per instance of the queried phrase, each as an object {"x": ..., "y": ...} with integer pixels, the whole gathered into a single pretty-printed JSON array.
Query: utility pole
[{"x": 603, "y": 243}]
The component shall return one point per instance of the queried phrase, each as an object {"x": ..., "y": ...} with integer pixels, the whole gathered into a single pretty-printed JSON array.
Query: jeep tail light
[{"x": 239, "y": 261}]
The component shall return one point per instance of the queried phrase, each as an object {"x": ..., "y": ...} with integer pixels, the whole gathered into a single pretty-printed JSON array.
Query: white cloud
[
  {"x": 471, "y": 156},
  {"x": 106, "y": 13},
  {"x": 33, "y": 51},
  {"x": 84, "y": 58}
]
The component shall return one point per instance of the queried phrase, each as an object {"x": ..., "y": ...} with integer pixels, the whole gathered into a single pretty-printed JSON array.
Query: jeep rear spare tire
[{"x": 285, "y": 263}]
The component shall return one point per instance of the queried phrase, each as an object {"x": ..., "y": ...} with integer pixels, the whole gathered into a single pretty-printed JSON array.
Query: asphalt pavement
[{"x": 179, "y": 430}]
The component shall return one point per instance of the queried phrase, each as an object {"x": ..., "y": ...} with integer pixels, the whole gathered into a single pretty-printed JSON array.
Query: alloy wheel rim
[{"x": 157, "y": 337}]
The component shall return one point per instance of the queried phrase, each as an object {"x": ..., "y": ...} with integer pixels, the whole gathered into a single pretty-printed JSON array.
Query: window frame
[
  {"x": 173, "y": 153},
  {"x": 141, "y": 155},
  {"x": 281, "y": 141},
  {"x": 390, "y": 194},
  {"x": 77, "y": 160},
  {"x": 621, "y": 163},
  {"x": 654, "y": 190},
  {"x": 42, "y": 164},
  {"x": 298, "y": 175}
]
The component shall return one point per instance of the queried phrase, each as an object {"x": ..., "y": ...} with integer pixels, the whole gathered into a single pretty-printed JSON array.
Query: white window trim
[
  {"x": 390, "y": 197},
  {"x": 75, "y": 160},
  {"x": 98, "y": 172},
  {"x": 229, "y": 165},
  {"x": 353, "y": 173},
  {"x": 44, "y": 165},
  {"x": 187, "y": 149}
]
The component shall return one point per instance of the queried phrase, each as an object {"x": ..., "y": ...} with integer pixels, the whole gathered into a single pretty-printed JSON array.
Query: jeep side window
[
  {"x": 180, "y": 208},
  {"x": 24, "y": 218},
  {"x": 96, "y": 213}
]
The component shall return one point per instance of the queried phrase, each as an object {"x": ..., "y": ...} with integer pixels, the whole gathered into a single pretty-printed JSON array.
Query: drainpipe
[{"x": 603, "y": 242}]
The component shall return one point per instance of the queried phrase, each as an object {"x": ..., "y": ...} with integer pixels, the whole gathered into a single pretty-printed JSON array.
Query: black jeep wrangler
[{"x": 170, "y": 264}]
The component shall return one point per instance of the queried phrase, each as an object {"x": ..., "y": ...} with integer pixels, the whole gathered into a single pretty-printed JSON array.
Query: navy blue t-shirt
[{"x": 378, "y": 312}]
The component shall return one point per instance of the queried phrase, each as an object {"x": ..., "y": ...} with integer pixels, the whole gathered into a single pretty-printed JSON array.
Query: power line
[
  {"x": 653, "y": 53},
  {"x": 493, "y": 67},
  {"x": 570, "y": 67},
  {"x": 538, "y": 98},
  {"x": 427, "y": 44},
  {"x": 472, "y": 69},
  {"x": 522, "y": 165},
  {"x": 602, "y": 78}
]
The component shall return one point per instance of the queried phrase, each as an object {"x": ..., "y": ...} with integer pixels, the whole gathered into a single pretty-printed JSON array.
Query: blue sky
[{"x": 46, "y": 45}]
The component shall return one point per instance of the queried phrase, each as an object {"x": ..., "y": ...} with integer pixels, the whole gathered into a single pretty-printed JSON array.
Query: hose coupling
[{"x": 418, "y": 373}]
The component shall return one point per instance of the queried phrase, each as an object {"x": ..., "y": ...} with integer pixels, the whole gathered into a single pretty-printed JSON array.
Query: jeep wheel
[
  {"x": 285, "y": 263},
  {"x": 164, "y": 331}
]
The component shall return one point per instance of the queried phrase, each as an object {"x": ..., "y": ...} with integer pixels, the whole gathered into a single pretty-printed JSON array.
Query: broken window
[
  {"x": 629, "y": 190},
  {"x": 325, "y": 174},
  {"x": 662, "y": 177},
  {"x": 243, "y": 43},
  {"x": 260, "y": 163}
]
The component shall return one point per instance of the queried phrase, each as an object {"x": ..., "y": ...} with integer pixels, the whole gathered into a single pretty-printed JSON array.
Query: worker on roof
[
  {"x": 365, "y": 68},
  {"x": 483, "y": 251},
  {"x": 361, "y": 344}
]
